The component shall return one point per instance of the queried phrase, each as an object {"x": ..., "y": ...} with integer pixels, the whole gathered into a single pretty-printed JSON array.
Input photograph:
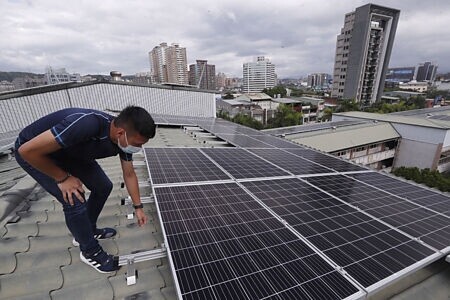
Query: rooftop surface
[
  {"x": 35, "y": 241},
  {"x": 415, "y": 120},
  {"x": 330, "y": 140},
  {"x": 38, "y": 260}
]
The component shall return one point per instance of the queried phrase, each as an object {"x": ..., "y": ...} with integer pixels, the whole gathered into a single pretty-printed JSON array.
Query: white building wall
[{"x": 416, "y": 154}]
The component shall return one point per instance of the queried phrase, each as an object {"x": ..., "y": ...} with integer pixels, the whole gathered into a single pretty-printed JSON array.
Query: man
[{"x": 59, "y": 152}]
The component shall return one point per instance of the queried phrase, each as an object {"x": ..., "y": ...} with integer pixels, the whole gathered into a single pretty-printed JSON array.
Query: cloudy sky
[{"x": 299, "y": 36}]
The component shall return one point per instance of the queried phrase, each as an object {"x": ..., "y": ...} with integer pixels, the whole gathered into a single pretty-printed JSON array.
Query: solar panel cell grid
[
  {"x": 414, "y": 193},
  {"x": 242, "y": 164},
  {"x": 326, "y": 160},
  {"x": 429, "y": 226},
  {"x": 174, "y": 165},
  {"x": 347, "y": 236},
  {"x": 237, "y": 248},
  {"x": 244, "y": 141},
  {"x": 290, "y": 162}
]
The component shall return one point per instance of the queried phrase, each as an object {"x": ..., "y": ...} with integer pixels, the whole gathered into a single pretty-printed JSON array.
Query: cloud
[{"x": 298, "y": 36}]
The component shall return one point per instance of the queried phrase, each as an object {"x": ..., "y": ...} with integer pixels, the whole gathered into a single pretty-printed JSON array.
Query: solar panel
[
  {"x": 176, "y": 165},
  {"x": 243, "y": 141},
  {"x": 277, "y": 142},
  {"x": 224, "y": 245},
  {"x": 430, "y": 227},
  {"x": 293, "y": 163},
  {"x": 326, "y": 160},
  {"x": 420, "y": 195},
  {"x": 242, "y": 164},
  {"x": 311, "y": 127},
  {"x": 367, "y": 249}
]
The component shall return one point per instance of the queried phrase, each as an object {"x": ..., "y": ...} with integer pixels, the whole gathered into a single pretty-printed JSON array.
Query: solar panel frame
[
  {"x": 181, "y": 166},
  {"x": 331, "y": 230},
  {"x": 267, "y": 275},
  {"x": 277, "y": 142},
  {"x": 312, "y": 127},
  {"x": 240, "y": 163},
  {"x": 243, "y": 141},
  {"x": 420, "y": 195},
  {"x": 432, "y": 228},
  {"x": 332, "y": 162},
  {"x": 292, "y": 163}
]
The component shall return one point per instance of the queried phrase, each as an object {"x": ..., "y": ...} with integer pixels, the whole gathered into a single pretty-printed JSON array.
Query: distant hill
[{"x": 10, "y": 76}]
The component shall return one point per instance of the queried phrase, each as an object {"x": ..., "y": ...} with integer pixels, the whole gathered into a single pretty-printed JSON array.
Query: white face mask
[{"x": 129, "y": 148}]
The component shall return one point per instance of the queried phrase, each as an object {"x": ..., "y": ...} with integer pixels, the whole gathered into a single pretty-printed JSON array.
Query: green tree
[
  {"x": 327, "y": 114},
  {"x": 272, "y": 92},
  {"x": 286, "y": 116},
  {"x": 248, "y": 121},
  {"x": 428, "y": 177},
  {"x": 348, "y": 105}
]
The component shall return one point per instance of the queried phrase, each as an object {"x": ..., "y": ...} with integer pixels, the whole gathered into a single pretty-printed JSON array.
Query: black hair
[{"x": 137, "y": 119}]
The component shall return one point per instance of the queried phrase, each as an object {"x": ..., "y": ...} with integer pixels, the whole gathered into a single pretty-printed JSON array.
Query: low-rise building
[
  {"x": 6, "y": 86},
  {"x": 417, "y": 86},
  {"x": 425, "y": 135},
  {"x": 371, "y": 144}
]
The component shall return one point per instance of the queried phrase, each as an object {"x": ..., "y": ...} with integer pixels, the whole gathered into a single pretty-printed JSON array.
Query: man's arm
[
  {"x": 132, "y": 185},
  {"x": 36, "y": 151}
]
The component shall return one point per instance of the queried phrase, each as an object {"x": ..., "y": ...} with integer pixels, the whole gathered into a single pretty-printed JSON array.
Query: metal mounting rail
[
  {"x": 127, "y": 200},
  {"x": 143, "y": 256},
  {"x": 130, "y": 259}
]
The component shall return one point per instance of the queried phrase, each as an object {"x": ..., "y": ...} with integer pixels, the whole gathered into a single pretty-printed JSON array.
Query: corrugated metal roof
[
  {"x": 410, "y": 120},
  {"x": 333, "y": 140},
  {"x": 254, "y": 97}
]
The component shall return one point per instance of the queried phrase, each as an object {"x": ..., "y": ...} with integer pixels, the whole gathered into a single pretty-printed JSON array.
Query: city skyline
[{"x": 297, "y": 36}]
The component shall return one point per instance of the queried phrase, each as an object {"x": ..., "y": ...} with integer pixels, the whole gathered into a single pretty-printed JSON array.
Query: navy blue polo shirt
[{"x": 82, "y": 133}]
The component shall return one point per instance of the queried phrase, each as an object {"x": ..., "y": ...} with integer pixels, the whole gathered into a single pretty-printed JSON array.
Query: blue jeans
[{"x": 81, "y": 219}]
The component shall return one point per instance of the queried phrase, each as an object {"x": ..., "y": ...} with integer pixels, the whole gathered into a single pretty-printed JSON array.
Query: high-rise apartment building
[
  {"x": 258, "y": 75},
  {"x": 426, "y": 72},
  {"x": 168, "y": 64},
  {"x": 318, "y": 79},
  {"x": 202, "y": 75},
  {"x": 221, "y": 80},
  {"x": 363, "y": 50}
]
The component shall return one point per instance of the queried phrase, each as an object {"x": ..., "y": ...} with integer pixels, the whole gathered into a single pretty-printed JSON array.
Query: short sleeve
[
  {"x": 76, "y": 128},
  {"x": 125, "y": 156}
]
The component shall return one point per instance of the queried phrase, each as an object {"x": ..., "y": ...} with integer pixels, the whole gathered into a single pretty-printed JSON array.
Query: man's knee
[{"x": 77, "y": 208}]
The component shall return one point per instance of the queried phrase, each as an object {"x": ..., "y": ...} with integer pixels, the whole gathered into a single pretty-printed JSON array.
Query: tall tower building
[
  {"x": 258, "y": 75},
  {"x": 426, "y": 72},
  {"x": 203, "y": 75},
  {"x": 168, "y": 64},
  {"x": 363, "y": 50}
]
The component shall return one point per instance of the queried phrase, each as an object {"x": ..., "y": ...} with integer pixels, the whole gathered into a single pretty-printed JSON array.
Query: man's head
[{"x": 134, "y": 126}]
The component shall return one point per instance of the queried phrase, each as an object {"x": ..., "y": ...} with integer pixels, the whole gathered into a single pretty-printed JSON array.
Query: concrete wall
[{"x": 416, "y": 154}]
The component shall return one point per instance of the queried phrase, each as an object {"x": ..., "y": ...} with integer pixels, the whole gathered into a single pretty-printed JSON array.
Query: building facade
[
  {"x": 319, "y": 80},
  {"x": 403, "y": 74},
  {"x": 55, "y": 76},
  {"x": 363, "y": 50},
  {"x": 202, "y": 75},
  {"x": 168, "y": 64},
  {"x": 258, "y": 75},
  {"x": 426, "y": 72}
]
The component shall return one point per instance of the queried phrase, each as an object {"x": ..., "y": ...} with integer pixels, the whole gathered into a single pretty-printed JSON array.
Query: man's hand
[
  {"x": 72, "y": 186},
  {"x": 141, "y": 217}
]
